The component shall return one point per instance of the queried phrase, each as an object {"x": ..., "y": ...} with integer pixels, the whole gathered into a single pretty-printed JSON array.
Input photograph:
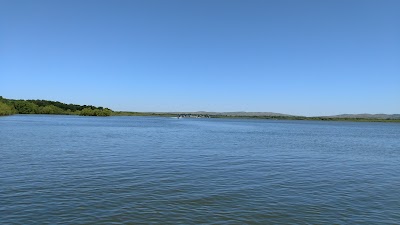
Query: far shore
[
  {"x": 298, "y": 118},
  {"x": 46, "y": 107},
  {"x": 197, "y": 115}
]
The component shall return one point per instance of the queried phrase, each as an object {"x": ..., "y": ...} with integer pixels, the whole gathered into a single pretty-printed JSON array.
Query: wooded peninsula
[{"x": 13, "y": 106}]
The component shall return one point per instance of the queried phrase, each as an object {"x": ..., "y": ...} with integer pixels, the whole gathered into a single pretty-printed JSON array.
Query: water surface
[{"x": 143, "y": 170}]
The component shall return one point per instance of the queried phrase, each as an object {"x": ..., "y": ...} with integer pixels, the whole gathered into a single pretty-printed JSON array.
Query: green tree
[
  {"x": 95, "y": 112},
  {"x": 6, "y": 109},
  {"x": 87, "y": 112},
  {"x": 24, "y": 107},
  {"x": 102, "y": 112},
  {"x": 51, "y": 109}
]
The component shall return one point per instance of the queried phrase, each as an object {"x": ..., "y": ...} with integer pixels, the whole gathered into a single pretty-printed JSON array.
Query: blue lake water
[{"x": 154, "y": 170}]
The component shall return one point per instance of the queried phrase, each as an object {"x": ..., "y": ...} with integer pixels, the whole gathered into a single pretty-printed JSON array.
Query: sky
[{"x": 299, "y": 57}]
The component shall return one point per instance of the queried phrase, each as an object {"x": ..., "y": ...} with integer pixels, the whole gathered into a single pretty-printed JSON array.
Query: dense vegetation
[
  {"x": 11, "y": 106},
  {"x": 6, "y": 109},
  {"x": 125, "y": 113}
]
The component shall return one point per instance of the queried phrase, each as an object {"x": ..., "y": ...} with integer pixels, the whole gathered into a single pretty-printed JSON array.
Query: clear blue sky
[{"x": 288, "y": 56}]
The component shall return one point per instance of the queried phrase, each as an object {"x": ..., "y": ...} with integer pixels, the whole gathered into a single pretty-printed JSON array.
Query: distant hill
[
  {"x": 283, "y": 116},
  {"x": 261, "y": 114},
  {"x": 368, "y": 116},
  {"x": 272, "y": 115}
]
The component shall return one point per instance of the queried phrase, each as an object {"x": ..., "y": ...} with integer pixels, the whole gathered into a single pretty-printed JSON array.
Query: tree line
[{"x": 13, "y": 106}]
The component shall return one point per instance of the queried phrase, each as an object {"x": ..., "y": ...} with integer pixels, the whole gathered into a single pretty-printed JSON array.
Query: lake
[{"x": 156, "y": 170}]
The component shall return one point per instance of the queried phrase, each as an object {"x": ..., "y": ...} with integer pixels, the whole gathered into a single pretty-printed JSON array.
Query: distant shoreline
[
  {"x": 294, "y": 118},
  {"x": 299, "y": 118},
  {"x": 45, "y": 107}
]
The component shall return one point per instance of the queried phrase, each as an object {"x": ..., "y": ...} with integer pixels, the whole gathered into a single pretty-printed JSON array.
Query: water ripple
[{"x": 149, "y": 170}]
